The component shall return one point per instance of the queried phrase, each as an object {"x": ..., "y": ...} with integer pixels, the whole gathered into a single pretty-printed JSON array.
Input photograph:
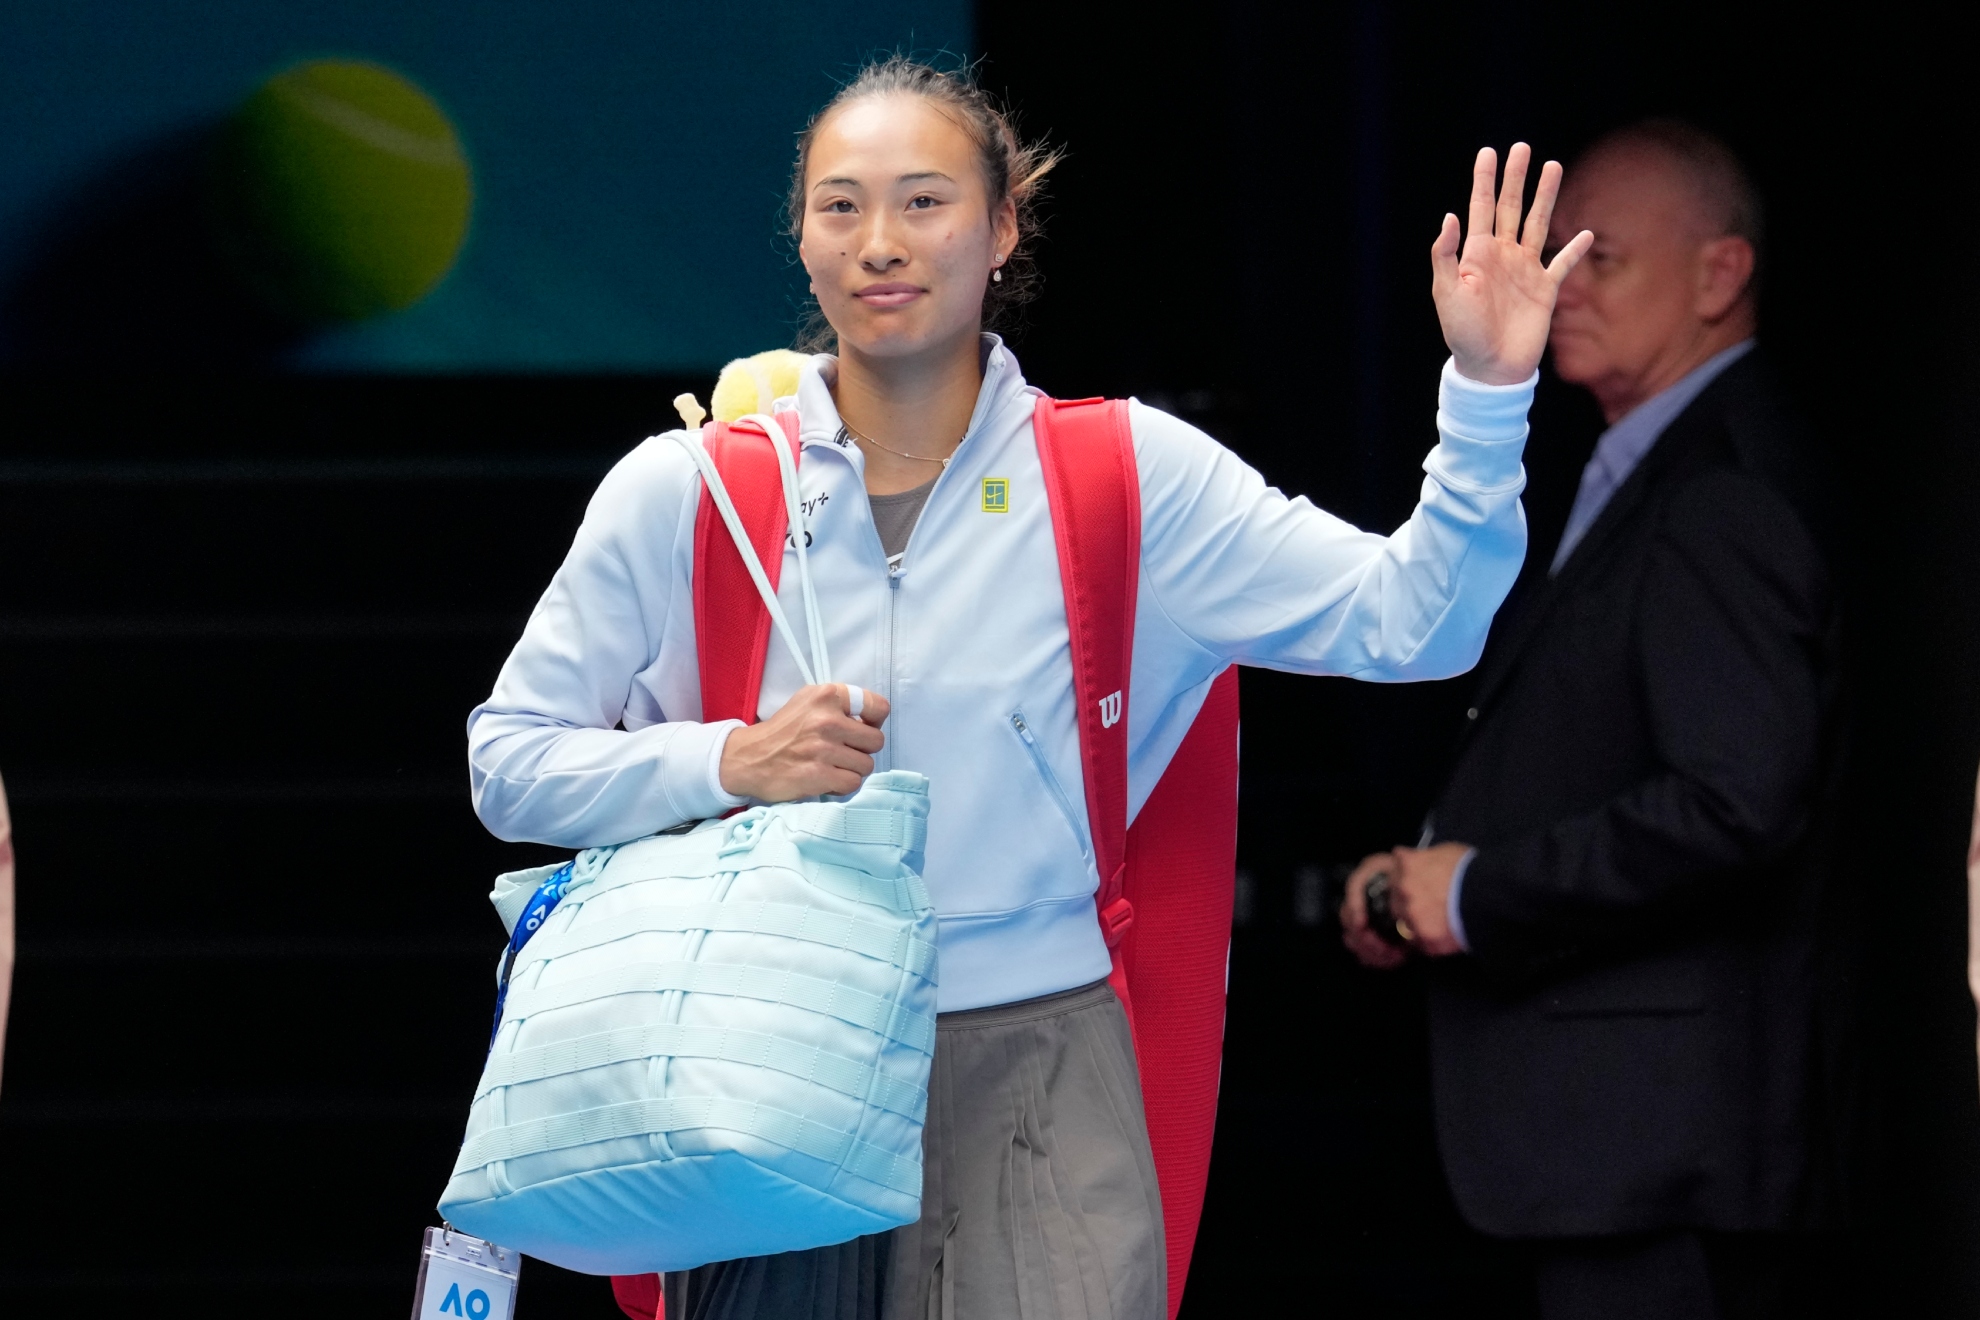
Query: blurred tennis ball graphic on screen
[{"x": 340, "y": 191}]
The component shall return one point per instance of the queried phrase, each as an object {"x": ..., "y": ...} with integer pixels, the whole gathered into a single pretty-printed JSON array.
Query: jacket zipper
[
  {"x": 887, "y": 667},
  {"x": 896, "y": 570},
  {"x": 1052, "y": 783}
]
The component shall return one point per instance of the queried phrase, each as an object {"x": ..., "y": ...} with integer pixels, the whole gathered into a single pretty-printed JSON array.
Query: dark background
[{"x": 243, "y": 617}]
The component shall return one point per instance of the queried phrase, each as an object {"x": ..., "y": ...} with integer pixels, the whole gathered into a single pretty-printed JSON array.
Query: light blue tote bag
[{"x": 712, "y": 1043}]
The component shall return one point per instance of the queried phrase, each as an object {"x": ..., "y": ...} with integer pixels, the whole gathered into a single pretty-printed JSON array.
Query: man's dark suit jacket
[{"x": 1632, "y": 1043}]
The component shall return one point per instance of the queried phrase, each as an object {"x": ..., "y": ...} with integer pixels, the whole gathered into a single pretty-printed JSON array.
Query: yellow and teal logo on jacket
[{"x": 996, "y": 495}]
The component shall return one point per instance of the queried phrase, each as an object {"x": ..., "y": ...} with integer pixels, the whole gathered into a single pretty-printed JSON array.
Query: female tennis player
[{"x": 938, "y": 581}]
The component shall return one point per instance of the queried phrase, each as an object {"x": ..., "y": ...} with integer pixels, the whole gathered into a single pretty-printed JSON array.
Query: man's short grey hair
[{"x": 1730, "y": 202}]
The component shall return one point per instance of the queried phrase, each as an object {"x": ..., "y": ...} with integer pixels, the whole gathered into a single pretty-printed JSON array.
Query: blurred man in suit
[{"x": 1619, "y": 883}]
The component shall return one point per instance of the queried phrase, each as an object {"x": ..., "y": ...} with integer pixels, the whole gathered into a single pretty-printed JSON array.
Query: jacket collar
[{"x": 819, "y": 423}]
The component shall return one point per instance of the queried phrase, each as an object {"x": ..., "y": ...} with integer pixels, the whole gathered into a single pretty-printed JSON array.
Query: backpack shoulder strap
[
  {"x": 1087, "y": 451},
  {"x": 731, "y": 623},
  {"x": 1166, "y": 885}
]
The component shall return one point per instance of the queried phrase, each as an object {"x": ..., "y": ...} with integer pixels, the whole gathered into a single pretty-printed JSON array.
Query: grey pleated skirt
[{"x": 1038, "y": 1191}]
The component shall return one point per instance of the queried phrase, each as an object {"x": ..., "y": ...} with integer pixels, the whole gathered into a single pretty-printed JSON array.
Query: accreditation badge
[{"x": 462, "y": 1276}]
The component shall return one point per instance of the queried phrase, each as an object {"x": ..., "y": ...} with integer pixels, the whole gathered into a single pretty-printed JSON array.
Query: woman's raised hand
[
  {"x": 1495, "y": 298},
  {"x": 815, "y": 745}
]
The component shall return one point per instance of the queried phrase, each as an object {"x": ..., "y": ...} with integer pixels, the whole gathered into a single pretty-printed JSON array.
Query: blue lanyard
[{"x": 541, "y": 905}]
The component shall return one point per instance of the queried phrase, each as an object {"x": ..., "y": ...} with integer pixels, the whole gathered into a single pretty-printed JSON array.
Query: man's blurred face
[{"x": 1632, "y": 302}]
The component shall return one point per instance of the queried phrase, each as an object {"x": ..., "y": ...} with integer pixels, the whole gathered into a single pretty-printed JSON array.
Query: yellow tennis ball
[
  {"x": 750, "y": 385},
  {"x": 340, "y": 191}
]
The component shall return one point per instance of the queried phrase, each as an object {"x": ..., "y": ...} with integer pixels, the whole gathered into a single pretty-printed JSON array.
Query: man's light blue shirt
[{"x": 1616, "y": 455}]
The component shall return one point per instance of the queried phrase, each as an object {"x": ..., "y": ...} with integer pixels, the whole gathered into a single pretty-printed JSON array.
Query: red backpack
[{"x": 1166, "y": 884}]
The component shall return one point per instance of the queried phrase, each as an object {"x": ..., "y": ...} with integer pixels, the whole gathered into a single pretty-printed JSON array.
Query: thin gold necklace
[{"x": 919, "y": 458}]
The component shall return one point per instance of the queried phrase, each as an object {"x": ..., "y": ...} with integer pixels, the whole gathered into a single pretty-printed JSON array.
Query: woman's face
[{"x": 899, "y": 238}]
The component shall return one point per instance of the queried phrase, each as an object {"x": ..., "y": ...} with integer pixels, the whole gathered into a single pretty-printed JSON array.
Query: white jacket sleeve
[
  {"x": 1255, "y": 578},
  {"x": 558, "y": 753}
]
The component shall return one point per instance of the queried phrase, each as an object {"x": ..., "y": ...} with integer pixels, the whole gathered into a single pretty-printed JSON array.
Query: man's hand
[
  {"x": 1360, "y": 938},
  {"x": 1421, "y": 896},
  {"x": 1496, "y": 300},
  {"x": 813, "y": 746}
]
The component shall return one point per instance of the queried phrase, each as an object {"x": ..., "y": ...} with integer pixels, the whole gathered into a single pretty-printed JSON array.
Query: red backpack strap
[
  {"x": 731, "y": 634},
  {"x": 1167, "y": 884},
  {"x": 1088, "y": 455},
  {"x": 731, "y": 623}
]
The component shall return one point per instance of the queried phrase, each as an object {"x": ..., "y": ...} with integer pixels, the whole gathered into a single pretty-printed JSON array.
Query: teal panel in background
[{"x": 629, "y": 163}]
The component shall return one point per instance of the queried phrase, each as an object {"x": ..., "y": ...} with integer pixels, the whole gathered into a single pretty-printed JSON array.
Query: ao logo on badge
[
  {"x": 476, "y": 1308},
  {"x": 458, "y": 1291}
]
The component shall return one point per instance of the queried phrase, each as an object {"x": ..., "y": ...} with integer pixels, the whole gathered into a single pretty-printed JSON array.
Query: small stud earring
[{"x": 996, "y": 277}]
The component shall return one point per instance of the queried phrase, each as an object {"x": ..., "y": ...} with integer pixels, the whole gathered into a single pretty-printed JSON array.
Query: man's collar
[{"x": 1630, "y": 436}]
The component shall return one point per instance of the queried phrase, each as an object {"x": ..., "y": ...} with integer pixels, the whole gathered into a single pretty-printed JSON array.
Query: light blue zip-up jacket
[{"x": 966, "y": 637}]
